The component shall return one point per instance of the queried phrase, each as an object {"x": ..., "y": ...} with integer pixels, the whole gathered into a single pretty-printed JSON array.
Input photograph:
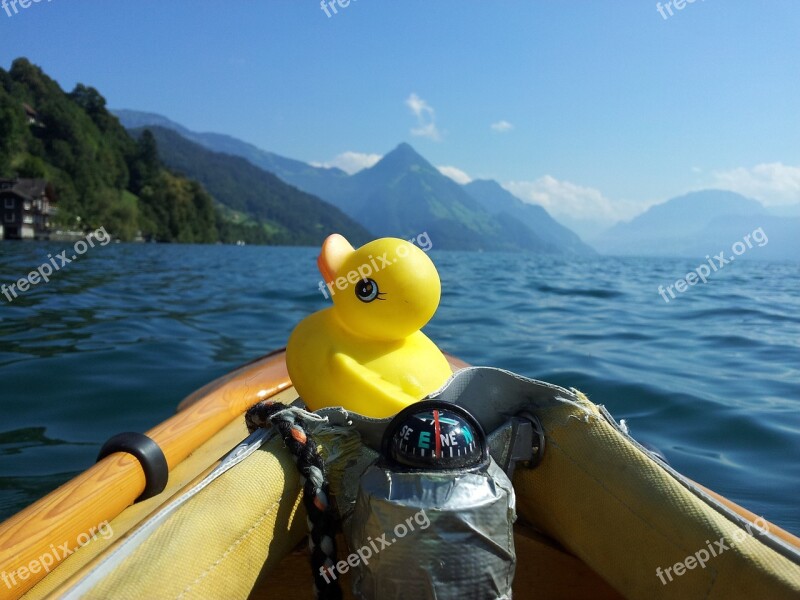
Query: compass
[{"x": 435, "y": 435}]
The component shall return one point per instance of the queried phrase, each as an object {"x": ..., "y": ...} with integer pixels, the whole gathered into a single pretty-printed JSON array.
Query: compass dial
[{"x": 435, "y": 435}]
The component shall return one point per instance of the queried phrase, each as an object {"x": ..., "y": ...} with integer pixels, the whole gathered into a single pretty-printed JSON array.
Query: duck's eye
[{"x": 366, "y": 290}]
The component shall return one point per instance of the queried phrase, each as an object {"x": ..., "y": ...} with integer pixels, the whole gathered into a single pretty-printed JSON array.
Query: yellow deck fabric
[
  {"x": 625, "y": 517},
  {"x": 179, "y": 477},
  {"x": 216, "y": 544}
]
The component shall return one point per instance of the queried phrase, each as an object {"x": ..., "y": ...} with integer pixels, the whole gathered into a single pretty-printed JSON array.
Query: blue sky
[{"x": 599, "y": 109}]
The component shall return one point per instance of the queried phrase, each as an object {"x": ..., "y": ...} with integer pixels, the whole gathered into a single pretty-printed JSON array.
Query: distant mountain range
[
  {"x": 701, "y": 223},
  {"x": 401, "y": 195}
]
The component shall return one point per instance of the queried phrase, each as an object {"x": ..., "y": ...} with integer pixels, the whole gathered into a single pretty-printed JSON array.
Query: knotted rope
[{"x": 321, "y": 515}]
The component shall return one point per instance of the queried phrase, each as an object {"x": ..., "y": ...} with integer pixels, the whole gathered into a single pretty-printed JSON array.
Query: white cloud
[
  {"x": 426, "y": 118},
  {"x": 773, "y": 184},
  {"x": 455, "y": 174},
  {"x": 502, "y": 126},
  {"x": 566, "y": 199},
  {"x": 350, "y": 162}
]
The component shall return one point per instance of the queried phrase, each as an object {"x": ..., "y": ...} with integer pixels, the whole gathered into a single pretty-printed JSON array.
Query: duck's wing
[{"x": 371, "y": 394}]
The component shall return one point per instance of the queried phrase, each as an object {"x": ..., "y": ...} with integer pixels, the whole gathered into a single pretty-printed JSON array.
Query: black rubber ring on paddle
[{"x": 149, "y": 455}]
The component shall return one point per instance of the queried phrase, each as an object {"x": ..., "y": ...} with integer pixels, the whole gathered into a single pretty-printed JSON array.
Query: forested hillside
[
  {"x": 103, "y": 177},
  {"x": 290, "y": 215}
]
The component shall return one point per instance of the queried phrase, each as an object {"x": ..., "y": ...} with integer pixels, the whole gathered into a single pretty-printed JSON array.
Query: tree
[
  {"x": 145, "y": 165},
  {"x": 89, "y": 99}
]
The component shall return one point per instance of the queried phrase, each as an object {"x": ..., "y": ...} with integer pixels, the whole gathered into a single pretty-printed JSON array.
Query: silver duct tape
[{"x": 433, "y": 536}]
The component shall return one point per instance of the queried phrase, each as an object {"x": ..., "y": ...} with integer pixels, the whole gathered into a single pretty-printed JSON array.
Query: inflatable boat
[{"x": 598, "y": 517}]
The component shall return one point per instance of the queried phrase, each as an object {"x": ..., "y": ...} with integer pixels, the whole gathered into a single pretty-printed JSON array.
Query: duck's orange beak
[{"x": 335, "y": 250}]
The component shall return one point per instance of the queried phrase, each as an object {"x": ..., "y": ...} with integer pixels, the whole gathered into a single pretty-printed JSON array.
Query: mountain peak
[
  {"x": 400, "y": 161},
  {"x": 404, "y": 147},
  {"x": 404, "y": 155}
]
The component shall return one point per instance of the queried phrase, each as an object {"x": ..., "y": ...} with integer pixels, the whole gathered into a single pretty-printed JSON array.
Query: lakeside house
[
  {"x": 26, "y": 206},
  {"x": 31, "y": 115}
]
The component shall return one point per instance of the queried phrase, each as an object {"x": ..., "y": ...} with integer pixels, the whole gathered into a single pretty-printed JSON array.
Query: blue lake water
[{"x": 116, "y": 339}]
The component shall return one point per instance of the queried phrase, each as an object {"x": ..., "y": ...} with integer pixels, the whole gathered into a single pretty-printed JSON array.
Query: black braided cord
[{"x": 322, "y": 521}]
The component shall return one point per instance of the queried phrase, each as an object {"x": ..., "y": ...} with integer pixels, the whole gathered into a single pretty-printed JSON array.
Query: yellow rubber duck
[{"x": 366, "y": 353}]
